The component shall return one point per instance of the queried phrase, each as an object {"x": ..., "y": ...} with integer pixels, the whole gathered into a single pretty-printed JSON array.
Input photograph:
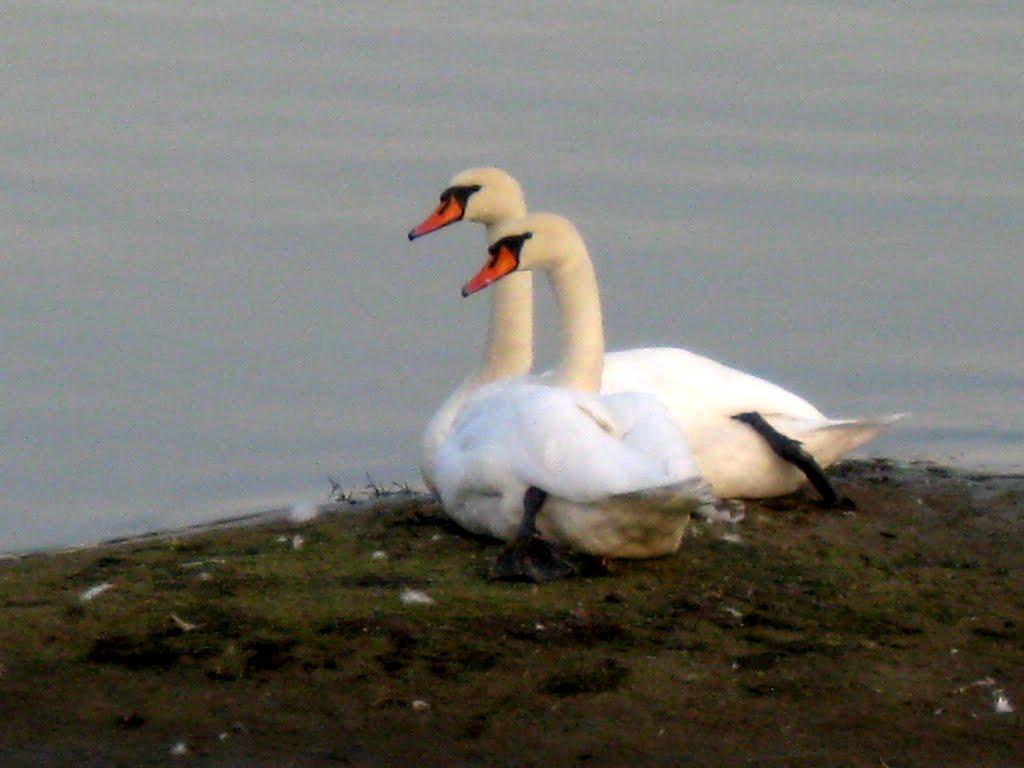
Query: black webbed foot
[
  {"x": 528, "y": 557},
  {"x": 841, "y": 503},
  {"x": 531, "y": 559}
]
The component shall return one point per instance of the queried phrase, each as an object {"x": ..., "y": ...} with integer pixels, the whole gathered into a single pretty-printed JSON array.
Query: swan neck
[
  {"x": 508, "y": 351},
  {"x": 509, "y": 348},
  {"x": 579, "y": 305}
]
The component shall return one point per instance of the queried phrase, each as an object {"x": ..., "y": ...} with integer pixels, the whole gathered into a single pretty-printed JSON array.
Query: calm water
[{"x": 208, "y": 303}]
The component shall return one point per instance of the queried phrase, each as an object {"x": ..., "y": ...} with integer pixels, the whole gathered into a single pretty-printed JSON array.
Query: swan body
[
  {"x": 702, "y": 395},
  {"x": 619, "y": 477}
]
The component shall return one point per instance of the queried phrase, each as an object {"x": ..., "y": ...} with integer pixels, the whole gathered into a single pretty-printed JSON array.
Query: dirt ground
[{"x": 893, "y": 636}]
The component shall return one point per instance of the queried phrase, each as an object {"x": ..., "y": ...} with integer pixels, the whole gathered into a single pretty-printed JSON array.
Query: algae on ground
[{"x": 796, "y": 637}]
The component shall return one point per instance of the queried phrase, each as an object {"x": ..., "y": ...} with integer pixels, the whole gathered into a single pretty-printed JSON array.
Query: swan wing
[
  {"x": 695, "y": 388},
  {"x": 577, "y": 447}
]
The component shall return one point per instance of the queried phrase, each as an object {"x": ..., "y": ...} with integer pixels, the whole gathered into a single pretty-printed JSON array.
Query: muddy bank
[{"x": 794, "y": 637}]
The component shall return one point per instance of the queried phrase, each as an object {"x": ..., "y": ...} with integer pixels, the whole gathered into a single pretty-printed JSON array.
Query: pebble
[
  {"x": 1001, "y": 702},
  {"x": 184, "y": 626},
  {"x": 95, "y": 591},
  {"x": 416, "y": 597},
  {"x": 419, "y": 705},
  {"x": 201, "y": 563}
]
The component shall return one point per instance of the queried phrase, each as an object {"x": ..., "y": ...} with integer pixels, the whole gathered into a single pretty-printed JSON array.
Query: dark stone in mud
[
  {"x": 764, "y": 660},
  {"x": 130, "y": 721},
  {"x": 1006, "y": 630},
  {"x": 135, "y": 652},
  {"x": 606, "y": 675},
  {"x": 401, "y": 654},
  {"x": 574, "y": 630},
  {"x": 451, "y": 666},
  {"x": 379, "y": 581},
  {"x": 267, "y": 653}
]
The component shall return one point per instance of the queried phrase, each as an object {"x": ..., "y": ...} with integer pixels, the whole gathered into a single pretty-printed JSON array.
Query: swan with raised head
[
  {"x": 751, "y": 438},
  {"x": 487, "y": 196},
  {"x": 605, "y": 475}
]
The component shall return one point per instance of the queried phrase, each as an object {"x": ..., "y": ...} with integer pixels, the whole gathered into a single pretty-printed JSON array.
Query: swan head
[
  {"x": 484, "y": 195},
  {"x": 536, "y": 242}
]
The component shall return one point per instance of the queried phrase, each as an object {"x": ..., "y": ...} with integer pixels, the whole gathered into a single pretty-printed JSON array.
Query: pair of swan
[{"x": 617, "y": 474}]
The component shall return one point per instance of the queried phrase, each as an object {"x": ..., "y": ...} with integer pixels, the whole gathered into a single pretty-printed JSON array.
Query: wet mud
[{"x": 796, "y": 636}]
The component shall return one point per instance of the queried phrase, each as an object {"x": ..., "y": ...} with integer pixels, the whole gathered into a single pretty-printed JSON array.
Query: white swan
[
  {"x": 487, "y": 196},
  {"x": 702, "y": 395},
  {"x": 613, "y": 473}
]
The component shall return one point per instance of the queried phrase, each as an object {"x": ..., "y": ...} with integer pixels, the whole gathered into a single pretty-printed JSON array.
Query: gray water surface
[{"x": 207, "y": 301}]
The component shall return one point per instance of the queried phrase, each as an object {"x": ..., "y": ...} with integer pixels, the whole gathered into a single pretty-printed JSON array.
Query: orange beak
[
  {"x": 448, "y": 211},
  {"x": 500, "y": 264}
]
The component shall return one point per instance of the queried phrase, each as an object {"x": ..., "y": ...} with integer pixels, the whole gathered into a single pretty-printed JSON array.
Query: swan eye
[
  {"x": 513, "y": 243},
  {"x": 459, "y": 193}
]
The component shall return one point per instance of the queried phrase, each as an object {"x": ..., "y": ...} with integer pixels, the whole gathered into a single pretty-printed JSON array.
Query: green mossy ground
[{"x": 803, "y": 637}]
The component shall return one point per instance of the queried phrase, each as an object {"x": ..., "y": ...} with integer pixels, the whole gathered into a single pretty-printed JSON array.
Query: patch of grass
[{"x": 814, "y": 620}]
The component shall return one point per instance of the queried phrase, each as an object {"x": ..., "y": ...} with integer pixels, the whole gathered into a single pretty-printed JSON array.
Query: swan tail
[
  {"x": 829, "y": 441},
  {"x": 676, "y": 498},
  {"x": 651, "y": 522}
]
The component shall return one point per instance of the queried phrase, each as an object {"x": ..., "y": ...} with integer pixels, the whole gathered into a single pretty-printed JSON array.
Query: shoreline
[
  {"x": 363, "y": 498},
  {"x": 356, "y": 500},
  {"x": 795, "y": 636}
]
